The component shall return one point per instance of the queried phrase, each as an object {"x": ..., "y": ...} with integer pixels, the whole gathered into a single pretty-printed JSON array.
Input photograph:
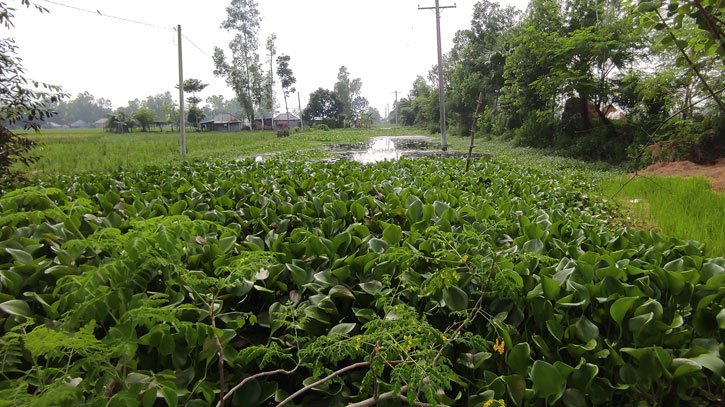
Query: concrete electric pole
[
  {"x": 441, "y": 94},
  {"x": 182, "y": 124},
  {"x": 397, "y": 108}
]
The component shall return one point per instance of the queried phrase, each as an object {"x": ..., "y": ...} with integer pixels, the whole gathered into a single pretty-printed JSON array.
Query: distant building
[
  {"x": 79, "y": 124},
  {"x": 222, "y": 122},
  {"x": 263, "y": 124},
  {"x": 52, "y": 125},
  {"x": 282, "y": 121},
  {"x": 100, "y": 123}
]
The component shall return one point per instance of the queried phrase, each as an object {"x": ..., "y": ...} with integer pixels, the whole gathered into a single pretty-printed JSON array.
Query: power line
[
  {"x": 196, "y": 46},
  {"x": 98, "y": 13}
]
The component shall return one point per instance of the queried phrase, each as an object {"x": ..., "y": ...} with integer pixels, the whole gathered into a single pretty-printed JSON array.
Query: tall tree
[
  {"x": 323, "y": 104},
  {"x": 19, "y": 102},
  {"x": 347, "y": 89},
  {"x": 286, "y": 76},
  {"x": 272, "y": 51},
  {"x": 243, "y": 72}
]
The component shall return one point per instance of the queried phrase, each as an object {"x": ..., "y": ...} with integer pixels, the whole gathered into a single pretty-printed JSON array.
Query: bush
[
  {"x": 537, "y": 131},
  {"x": 322, "y": 126}
]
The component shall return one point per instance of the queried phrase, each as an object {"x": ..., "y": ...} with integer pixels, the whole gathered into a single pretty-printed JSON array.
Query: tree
[
  {"x": 347, "y": 90},
  {"x": 359, "y": 109},
  {"x": 83, "y": 107},
  {"x": 145, "y": 117},
  {"x": 194, "y": 86},
  {"x": 161, "y": 104},
  {"x": 243, "y": 72},
  {"x": 19, "y": 102},
  {"x": 272, "y": 49},
  {"x": 287, "y": 78},
  {"x": 323, "y": 104},
  {"x": 120, "y": 122}
]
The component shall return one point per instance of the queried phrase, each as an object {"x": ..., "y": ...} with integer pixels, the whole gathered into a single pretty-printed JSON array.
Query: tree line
[{"x": 594, "y": 79}]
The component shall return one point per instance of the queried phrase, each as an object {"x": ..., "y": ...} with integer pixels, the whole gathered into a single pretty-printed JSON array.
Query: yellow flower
[
  {"x": 488, "y": 403},
  {"x": 502, "y": 403},
  {"x": 499, "y": 347}
]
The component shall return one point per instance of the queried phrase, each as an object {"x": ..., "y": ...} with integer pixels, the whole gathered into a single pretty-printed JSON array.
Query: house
[
  {"x": 222, "y": 122},
  {"x": 282, "y": 121},
  {"x": 52, "y": 125},
  {"x": 100, "y": 123},
  {"x": 263, "y": 124},
  {"x": 79, "y": 124}
]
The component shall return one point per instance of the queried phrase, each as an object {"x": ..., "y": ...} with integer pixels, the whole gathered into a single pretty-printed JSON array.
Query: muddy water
[{"x": 394, "y": 148}]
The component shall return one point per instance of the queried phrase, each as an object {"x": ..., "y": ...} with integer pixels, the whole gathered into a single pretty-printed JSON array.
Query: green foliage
[
  {"x": 509, "y": 282},
  {"x": 20, "y": 103}
]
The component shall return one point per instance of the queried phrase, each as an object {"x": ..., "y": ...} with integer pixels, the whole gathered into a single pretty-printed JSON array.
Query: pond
[{"x": 392, "y": 148}]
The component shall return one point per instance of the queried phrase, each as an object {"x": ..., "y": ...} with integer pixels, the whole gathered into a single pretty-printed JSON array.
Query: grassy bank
[
  {"x": 685, "y": 208},
  {"x": 74, "y": 151}
]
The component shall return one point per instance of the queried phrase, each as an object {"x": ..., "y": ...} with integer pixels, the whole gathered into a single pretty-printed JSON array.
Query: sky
[{"x": 385, "y": 43}]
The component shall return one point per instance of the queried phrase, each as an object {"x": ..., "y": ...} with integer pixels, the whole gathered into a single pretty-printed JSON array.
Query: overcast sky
[{"x": 386, "y": 43}]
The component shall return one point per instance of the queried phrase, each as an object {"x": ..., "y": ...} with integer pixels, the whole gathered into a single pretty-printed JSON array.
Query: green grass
[
  {"x": 75, "y": 151},
  {"x": 685, "y": 208}
]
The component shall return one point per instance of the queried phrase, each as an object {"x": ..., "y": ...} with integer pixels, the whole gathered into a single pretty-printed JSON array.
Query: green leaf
[
  {"x": 455, "y": 298},
  {"x": 358, "y": 211},
  {"x": 393, "y": 234},
  {"x": 721, "y": 319},
  {"x": 340, "y": 291},
  {"x": 149, "y": 397},
  {"x": 20, "y": 256},
  {"x": 711, "y": 362},
  {"x": 169, "y": 394},
  {"x": 177, "y": 208},
  {"x": 548, "y": 383},
  {"x": 586, "y": 330},
  {"x": 516, "y": 388},
  {"x": 298, "y": 274},
  {"x": 17, "y": 307},
  {"x": 227, "y": 243},
  {"x": 342, "y": 329},
  {"x": 414, "y": 213},
  {"x": 551, "y": 287},
  {"x": 534, "y": 246},
  {"x": 518, "y": 358},
  {"x": 378, "y": 246},
  {"x": 620, "y": 308}
]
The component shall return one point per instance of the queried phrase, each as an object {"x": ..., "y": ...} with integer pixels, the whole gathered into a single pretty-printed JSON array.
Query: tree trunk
[{"x": 584, "y": 111}]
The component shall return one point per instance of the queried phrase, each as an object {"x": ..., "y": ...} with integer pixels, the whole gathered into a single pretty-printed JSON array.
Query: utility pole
[
  {"x": 182, "y": 124},
  {"x": 397, "y": 108},
  {"x": 299, "y": 105},
  {"x": 437, "y": 8}
]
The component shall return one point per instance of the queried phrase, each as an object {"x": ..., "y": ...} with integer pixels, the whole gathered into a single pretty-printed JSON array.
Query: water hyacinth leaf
[
  {"x": 712, "y": 362},
  {"x": 342, "y": 329},
  {"x": 298, "y": 274},
  {"x": 17, "y": 308},
  {"x": 516, "y": 386},
  {"x": 534, "y": 246},
  {"x": 455, "y": 298},
  {"x": 551, "y": 288},
  {"x": 378, "y": 246},
  {"x": 340, "y": 291},
  {"x": 586, "y": 330},
  {"x": 414, "y": 213},
  {"x": 518, "y": 358},
  {"x": 721, "y": 319},
  {"x": 20, "y": 256},
  {"x": 619, "y": 309},
  {"x": 392, "y": 234},
  {"x": 548, "y": 383},
  {"x": 358, "y": 211}
]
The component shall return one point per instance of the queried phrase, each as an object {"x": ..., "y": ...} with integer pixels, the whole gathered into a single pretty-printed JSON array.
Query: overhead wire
[
  {"x": 127, "y": 20},
  {"x": 99, "y": 13}
]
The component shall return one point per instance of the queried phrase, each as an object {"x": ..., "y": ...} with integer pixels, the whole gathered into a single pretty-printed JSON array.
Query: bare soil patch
[{"x": 715, "y": 172}]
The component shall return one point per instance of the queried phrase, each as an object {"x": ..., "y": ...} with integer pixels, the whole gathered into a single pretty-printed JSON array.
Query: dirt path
[{"x": 715, "y": 172}]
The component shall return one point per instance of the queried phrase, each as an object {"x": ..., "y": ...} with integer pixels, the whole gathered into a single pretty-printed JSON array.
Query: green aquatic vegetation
[{"x": 289, "y": 282}]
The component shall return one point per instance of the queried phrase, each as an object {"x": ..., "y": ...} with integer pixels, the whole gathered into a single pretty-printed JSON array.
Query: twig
[
  {"x": 417, "y": 403},
  {"x": 474, "y": 125},
  {"x": 220, "y": 350},
  {"x": 383, "y": 397},
  {"x": 253, "y": 377},
  {"x": 323, "y": 380},
  {"x": 372, "y": 370}
]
